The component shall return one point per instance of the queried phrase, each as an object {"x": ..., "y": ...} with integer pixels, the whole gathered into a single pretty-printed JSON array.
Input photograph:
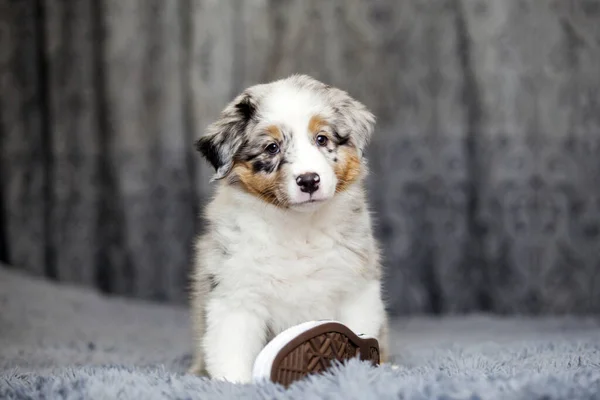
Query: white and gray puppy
[{"x": 289, "y": 236}]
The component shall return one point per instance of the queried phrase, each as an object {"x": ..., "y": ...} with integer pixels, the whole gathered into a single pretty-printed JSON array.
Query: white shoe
[{"x": 311, "y": 348}]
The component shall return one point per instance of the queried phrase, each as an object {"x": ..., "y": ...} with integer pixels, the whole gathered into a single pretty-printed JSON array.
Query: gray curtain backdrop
[{"x": 485, "y": 167}]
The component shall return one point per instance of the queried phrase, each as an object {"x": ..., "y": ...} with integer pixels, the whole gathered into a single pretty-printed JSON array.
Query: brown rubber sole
[{"x": 316, "y": 349}]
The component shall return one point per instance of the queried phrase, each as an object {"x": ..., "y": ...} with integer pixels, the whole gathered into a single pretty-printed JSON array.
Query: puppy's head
[{"x": 295, "y": 142}]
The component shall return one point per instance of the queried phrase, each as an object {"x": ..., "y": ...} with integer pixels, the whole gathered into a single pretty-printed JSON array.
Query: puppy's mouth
[{"x": 307, "y": 202}]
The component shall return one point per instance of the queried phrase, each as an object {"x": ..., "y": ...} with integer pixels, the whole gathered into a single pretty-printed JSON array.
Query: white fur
[
  {"x": 293, "y": 108},
  {"x": 278, "y": 267}
]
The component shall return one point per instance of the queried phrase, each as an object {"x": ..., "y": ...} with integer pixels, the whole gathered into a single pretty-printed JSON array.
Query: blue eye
[{"x": 272, "y": 148}]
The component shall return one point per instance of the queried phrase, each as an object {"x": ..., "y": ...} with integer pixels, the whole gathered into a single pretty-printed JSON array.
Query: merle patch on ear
[
  {"x": 224, "y": 137},
  {"x": 209, "y": 150},
  {"x": 247, "y": 108},
  {"x": 354, "y": 121}
]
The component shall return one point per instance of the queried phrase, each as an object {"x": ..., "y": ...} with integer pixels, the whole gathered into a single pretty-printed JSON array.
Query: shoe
[{"x": 311, "y": 348}]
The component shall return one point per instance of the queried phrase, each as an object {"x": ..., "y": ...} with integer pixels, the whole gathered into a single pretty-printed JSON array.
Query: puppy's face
[{"x": 294, "y": 143}]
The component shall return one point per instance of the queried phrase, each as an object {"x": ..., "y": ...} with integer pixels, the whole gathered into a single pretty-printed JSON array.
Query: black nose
[{"x": 309, "y": 183}]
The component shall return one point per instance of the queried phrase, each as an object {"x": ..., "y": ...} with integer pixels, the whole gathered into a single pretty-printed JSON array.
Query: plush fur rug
[{"x": 59, "y": 342}]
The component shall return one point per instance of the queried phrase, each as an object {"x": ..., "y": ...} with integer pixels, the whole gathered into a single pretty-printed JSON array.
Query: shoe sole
[{"x": 311, "y": 348}]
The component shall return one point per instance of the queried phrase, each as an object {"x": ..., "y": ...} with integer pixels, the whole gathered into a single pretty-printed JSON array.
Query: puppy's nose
[{"x": 309, "y": 182}]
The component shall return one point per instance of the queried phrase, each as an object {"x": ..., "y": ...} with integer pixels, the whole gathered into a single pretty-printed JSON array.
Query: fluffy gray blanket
[{"x": 59, "y": 342}]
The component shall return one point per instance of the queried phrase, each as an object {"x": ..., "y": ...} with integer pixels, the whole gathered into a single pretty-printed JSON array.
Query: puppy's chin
[{"x": 307, "y": 206}]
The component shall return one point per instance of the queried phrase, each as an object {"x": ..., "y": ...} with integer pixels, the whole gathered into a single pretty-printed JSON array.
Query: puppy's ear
[
  {"x": 353, "y": 119},
  {"x": 224, "y": 137}
]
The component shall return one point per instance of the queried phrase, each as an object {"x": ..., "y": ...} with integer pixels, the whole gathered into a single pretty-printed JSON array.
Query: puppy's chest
[{"x": 298, "y": 267}]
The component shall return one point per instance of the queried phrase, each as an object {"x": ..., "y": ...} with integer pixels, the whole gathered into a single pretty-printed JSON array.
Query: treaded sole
[{"x": 314, "y": 351}]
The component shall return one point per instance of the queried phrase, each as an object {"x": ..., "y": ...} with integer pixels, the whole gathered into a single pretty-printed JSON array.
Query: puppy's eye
[
  {"x": 322, "y": 140},
  {"x": 272, "y": 148}
]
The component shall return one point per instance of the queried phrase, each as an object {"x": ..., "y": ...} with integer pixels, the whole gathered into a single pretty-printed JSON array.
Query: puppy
[{"x": 289, "y": 236}]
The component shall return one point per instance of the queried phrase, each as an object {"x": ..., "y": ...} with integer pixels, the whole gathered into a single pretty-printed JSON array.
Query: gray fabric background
[{"x": 485, "y": 164}]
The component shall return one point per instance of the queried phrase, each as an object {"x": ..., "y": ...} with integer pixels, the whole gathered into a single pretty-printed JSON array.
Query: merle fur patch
[
  {"x": 246, "y": 108},
  {"x": 225, "y": 136},
  {"x": 264, "y": 166}
]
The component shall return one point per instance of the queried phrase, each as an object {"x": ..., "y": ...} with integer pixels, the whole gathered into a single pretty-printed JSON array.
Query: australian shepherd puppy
[{"x": 289, "y": 236}]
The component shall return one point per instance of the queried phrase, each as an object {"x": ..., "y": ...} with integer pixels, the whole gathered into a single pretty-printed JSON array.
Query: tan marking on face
[
  {"x": 265, "y": 187},
  {"x": 316, "y": 124},
  {"x": 274, "y": 132},
  {"x": 347, "y": 169}
]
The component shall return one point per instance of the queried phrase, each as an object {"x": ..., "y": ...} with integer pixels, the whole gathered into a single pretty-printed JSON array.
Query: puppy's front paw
[{"x": 232, "y": 342}]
